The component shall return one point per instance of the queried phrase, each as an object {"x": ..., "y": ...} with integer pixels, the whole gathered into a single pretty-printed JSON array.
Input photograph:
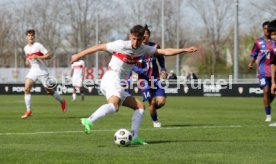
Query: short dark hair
[
  {"x": 30, "y": 31},
  {"x": 266, "y": 23},
  {"x": 272, "y": 26},
  {"x": 138, "y": 30},
  {"x": 147, "y": 28}
]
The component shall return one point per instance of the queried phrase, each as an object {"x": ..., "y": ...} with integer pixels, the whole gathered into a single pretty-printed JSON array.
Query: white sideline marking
[{"x": 108, "y": 130}]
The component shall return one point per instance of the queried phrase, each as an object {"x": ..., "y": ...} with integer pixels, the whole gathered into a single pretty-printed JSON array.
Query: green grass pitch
[{"x": 195, "y": 130}]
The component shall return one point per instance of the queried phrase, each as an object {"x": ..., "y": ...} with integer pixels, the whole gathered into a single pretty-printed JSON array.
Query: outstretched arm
[
  {"x": 91, "y": 50},
  {"x": 174, "y": 51}
]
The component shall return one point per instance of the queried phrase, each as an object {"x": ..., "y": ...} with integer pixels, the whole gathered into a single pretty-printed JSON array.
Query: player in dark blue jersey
[
  {"x": 272, "y": 34},
  {"x": 148, "y": 75},
  {"x": 261, "y": 52}
]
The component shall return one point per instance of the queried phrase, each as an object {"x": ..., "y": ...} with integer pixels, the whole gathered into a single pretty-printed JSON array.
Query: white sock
[
  {"x": 136, "y": 122},
  {"x": 102, "y": 111},
  {"x": 74, "y": 96},
  {"x": 58, "y": 97},
  {"x": 28, "y": 102}
]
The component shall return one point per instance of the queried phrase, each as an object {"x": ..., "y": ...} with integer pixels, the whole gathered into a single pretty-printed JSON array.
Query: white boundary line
[{"x": 108, "y": 130}]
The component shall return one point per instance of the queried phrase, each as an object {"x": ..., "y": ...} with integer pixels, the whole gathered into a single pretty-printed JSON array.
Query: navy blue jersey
[{"x": 147, "y": 66}]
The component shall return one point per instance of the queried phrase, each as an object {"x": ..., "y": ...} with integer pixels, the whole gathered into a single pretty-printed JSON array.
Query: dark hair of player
[
  {"x": 272, "y": 26},
  {"x": 147, "y": 29},
  {"x": 30, "y": 31},
  {"x": 138, "y": 30},
  {"x": 266, "y": 23}
]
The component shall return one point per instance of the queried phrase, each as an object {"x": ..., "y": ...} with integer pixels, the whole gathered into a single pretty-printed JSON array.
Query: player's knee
[
  {"x": 141, "y": 105},
  {"x": 49, "y": 91},
  {"x": 27, "y": 90},
  {"x": 161, "y": 102},
  {"x": 116, "y": 106}
]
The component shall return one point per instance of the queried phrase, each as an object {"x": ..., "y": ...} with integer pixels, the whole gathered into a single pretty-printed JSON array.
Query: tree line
[{"x": 68, "y": 26}]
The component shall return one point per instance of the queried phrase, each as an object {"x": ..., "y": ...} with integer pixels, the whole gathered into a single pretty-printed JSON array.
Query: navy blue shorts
[
  {"x": 265, "y": 81},
  {"x": 150, "y": 93}
]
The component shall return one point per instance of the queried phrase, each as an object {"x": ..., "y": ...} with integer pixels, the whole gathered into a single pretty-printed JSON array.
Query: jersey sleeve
[
  {"x": 115, "y": 46},
  {"x": 82, "y": 63},
  {"x": 42, "y": 49},
  {"x": 150, "y": 50},
  {"x": 161, "y": 61},
  {"x": 25, "y": 51},
  {"x": 138, "y": 70},
  {"x": 255, "y": 50}
]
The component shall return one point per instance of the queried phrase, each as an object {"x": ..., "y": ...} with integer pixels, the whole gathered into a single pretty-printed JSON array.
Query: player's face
[
  {"x": 30, "y": 38},
  {"x": 146, "y": 37},
  {"x": 265, "y": 29},
  {"x": 273, "y": 35},
  {"x": 136, "y": 40}
]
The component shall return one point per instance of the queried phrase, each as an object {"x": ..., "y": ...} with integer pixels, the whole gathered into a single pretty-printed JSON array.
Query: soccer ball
[{"x": 122, "y": 137}]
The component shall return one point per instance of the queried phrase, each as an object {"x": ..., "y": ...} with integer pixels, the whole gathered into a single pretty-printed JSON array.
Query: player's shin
[
  {"x": 136, "y": 122},
  {"x": 57, "y": 97},
  {"x": 102, "y": 111},
  {"x": 28, "y": 102}
]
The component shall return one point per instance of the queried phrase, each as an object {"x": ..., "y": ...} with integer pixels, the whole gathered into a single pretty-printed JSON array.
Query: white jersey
[
  {"x": 124, "y": 56},
  {"x": 38, "y": 66},
  {"x": 77, "y": 67}
]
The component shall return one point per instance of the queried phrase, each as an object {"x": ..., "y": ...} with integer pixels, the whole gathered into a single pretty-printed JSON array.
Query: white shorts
[
  {"x": 77, "y": 82},
  {"x": 110, "y": 86},
  {"x": 45, "y": 80}
]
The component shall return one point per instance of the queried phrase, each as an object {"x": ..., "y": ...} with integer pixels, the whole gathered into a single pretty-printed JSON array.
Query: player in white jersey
[
  {"x": 125, "y": 55},
  {"x": 77, "y": 75},
  {"x": 35, "y": 54}
]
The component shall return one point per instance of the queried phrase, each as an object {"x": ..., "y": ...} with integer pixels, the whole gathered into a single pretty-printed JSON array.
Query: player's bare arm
[
  {"x": 250, "y": 65},
  {"x": 174, "y": 51},
  {"x": 91, "y": 50}
]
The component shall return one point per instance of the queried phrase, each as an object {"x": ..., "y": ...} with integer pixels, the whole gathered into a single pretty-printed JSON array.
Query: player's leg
[
  {"x": 111, "y": 107},
  {"x": 74, "y": 94},
  {"x": 160, "y": 101},
  {"x": 266, "y": 100},
  {"x": 137, "y": 117},
  {"x": 110, "y": 87},
  {"x": 157, "y": 102},
  {"x": 82, "y": 93},
  {"x": 271, "y": 96},
  {"x": 28, "y": 101},
  {"x": 153, "y": 113},
  {"x": 48, "y": 86}
]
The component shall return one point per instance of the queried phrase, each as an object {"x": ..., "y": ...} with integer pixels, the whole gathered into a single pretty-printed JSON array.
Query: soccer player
[
  {"x": 35, "y": 54},
  {"x": 261, "y": 52},
  {"x": 147, "y": 69},
  {"x": 77, "y": 75},
  {"x": 124, "y": 55},
  {"x": 272, "y": 33}
]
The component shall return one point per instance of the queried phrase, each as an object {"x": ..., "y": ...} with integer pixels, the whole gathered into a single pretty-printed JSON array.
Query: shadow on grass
[
  {"x": 177, "y": 141},
  {"x": 186, "y": 125}
]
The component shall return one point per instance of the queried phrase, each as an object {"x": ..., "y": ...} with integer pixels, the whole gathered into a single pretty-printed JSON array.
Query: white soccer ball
[{"x": 122, "y": 137}]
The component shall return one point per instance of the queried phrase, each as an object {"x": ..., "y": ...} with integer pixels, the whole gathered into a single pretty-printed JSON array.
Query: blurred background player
[
  {"x": 172, "y": 75},
  {"x": 261, "y": 52},
  {"x": 147, "y": 69},
  {"x": 35, "y": 54},
  {"x": 77, "y": 75},
  {"x": 124, "y": 55}
]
